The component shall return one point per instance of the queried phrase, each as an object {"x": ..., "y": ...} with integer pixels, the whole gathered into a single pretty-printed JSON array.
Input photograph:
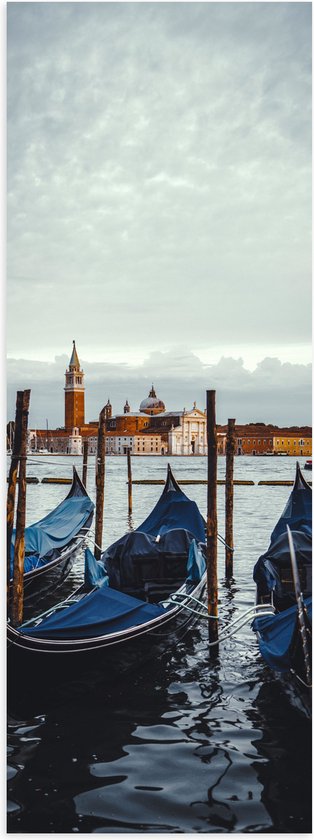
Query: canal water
[{"x": 184, "y": 743}]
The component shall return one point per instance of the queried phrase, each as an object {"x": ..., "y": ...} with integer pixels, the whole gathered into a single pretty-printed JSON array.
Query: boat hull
[
  {"x": 39, "y": 583},
  {"x": 45, "y": 578},
  {"x": 61, "y": 665}
]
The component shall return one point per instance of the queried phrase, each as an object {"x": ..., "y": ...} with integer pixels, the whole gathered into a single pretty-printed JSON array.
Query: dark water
[{"x": 184, "y": 743}]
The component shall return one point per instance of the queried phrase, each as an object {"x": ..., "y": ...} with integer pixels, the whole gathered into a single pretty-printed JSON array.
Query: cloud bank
[{"x": 274, "y": 392}]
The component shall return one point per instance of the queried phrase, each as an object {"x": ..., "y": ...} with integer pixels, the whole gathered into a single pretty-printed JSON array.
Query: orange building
[{"x": 262, "y": 439}]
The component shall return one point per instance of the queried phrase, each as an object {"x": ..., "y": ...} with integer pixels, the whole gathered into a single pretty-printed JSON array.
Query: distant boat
[
  {"x": 308, "y": 464},
  {"x": 283, "y": 637},
  {"x": 51, "y": 543}
]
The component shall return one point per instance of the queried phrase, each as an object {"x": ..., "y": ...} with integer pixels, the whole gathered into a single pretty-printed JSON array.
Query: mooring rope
[{"x": 233, "y": 627}]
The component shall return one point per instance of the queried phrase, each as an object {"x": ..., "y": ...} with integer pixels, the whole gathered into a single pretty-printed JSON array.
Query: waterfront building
[
  {"x": 152, "y": 430},
  {"x": 293, "y": 441},
  {"x": 262, "y": 439}
]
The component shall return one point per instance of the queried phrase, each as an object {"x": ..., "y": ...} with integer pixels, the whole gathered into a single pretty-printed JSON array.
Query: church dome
[{"x": 152, "y": 405}]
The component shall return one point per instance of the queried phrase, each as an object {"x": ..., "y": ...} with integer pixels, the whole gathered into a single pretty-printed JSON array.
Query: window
[{"x": 301, "y": 442}]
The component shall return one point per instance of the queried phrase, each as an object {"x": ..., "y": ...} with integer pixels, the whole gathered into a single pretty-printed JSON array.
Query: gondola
[
  {"x": 131, "y": 600},
  {"x": 284, "y": 626},
  {"x": 51, "y": 544}
]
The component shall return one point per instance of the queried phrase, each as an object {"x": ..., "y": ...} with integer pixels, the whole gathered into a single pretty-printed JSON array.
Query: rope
[{"x": 224, "y": 543}]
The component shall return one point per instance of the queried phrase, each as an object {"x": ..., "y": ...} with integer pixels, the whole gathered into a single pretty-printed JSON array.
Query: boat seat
[{"x": 168, "y": 567}]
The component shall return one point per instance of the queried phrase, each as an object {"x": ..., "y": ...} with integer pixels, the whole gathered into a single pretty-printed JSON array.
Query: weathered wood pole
[
  {"x": 19, "y": 545},
  {"x": 128, "y": 452},
  {"x": 230, "y": 450},
  {"x": 12, "y": 479},
  {"x": 100, "y": 482},
  {"x": 85, "y": 459},
  {"x": 212, "y": 576}
]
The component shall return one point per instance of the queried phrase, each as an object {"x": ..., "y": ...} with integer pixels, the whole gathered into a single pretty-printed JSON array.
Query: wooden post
[
  {"x": 230, "y": 450},
  {"x": 19, "y": 545},
  {"x": 100, "y": 482},
  {"x": 85, "y": 459},
  {"x": 12, "y": 484},
  {"x": 129, "y": 481},
  {"x": 212, "y": 576}
]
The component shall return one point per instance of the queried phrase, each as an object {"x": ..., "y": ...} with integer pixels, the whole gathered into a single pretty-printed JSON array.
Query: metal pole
[
  {"x": 230, "y": 450},
  {"x": 212, "y": 578}
]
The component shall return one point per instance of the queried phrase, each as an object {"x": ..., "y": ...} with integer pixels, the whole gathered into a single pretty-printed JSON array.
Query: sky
[{"x": 159, "y": 205}]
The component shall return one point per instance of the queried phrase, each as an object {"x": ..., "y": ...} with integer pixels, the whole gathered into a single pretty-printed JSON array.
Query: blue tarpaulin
[
  {"x": 94, "y": 571},
  {"x": 276, "y": 634},
  {"x": 196, "y": 564},
  {"x": 159, "y": 547},
  {"x": 100, "y": 612},
  {"x": 174, "y": 510},
  {"x": 298, "y": 511},
  {"x": 48, "y": 535},
  {"x": 298, "y": 515}
]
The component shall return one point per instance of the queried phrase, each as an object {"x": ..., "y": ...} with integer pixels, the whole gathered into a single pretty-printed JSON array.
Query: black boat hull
[{"x": 36, "y": 672}]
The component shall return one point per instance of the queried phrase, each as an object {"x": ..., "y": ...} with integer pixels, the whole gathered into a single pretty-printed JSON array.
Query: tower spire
[{"x": 74, "y": 360}]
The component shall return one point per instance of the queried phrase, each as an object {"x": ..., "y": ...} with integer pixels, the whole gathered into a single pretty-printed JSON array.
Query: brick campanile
[{"x": 74, "y": 396}]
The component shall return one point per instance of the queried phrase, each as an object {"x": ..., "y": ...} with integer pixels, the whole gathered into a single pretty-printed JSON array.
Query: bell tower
[{"x": 74, "y": 394}]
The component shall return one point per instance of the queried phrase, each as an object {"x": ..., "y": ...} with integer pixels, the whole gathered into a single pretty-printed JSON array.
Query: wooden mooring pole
[
  {"x": 85, "y": 459},
  {"x": 12, "y": 480},
  {"x": 129, "y": 481},
  {"x": 19, "y": 544},
  {"x": 212, "y": 576},
  {"x": 230, "y": 450},
  {"x": 100, "y": 482}
]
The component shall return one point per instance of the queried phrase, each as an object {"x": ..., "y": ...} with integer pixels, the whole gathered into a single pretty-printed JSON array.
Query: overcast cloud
[
  {"x": 274, "y": 392},
  {"x": 159, "y": 192}
]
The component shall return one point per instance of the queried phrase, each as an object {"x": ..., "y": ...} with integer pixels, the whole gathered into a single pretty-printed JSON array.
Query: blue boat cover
[
  {"x": 266, "y": 571},
  {"x": 45, "y": 538},
  {"x": 298, "y": 511},
  {"x": 94, "y": 572},
  {"x": 196, "y": 564},
  {"x": 174, "y": 510},
  {"x": 100, "y": 612},
  {"x": 276, "y": 633},
  {"x": 160, "y": 546},
  {"x": 298, "y": 515}
]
